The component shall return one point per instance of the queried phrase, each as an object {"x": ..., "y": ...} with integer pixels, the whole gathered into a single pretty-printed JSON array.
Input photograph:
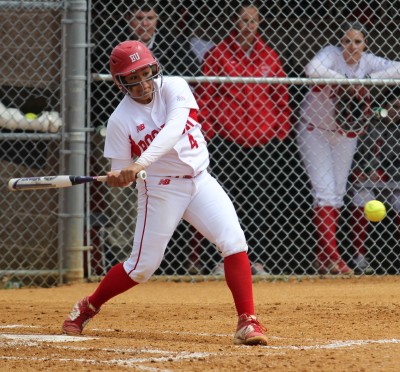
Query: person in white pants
[
  {"x": 155, "y": 128},
  {"x": 326, "y": 148}
]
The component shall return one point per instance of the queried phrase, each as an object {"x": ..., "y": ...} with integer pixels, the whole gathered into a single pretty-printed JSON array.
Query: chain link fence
[
  {"x": 269, "y": 184},
  {"x": 31, "y": 113}
]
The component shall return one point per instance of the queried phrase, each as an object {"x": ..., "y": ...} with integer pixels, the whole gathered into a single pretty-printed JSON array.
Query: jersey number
[{"x": 193, "y": 142}]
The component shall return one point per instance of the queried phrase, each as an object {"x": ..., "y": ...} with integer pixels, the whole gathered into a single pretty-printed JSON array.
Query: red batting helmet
[{"x": 130, "y": 56}]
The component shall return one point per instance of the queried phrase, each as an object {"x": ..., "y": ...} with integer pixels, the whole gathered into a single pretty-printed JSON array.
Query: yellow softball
[
  {"x": 374, "y": 211},
  {"x": 31, "y": 116}
]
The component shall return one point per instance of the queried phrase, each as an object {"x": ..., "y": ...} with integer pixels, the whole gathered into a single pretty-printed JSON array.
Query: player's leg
[
  {"x": 212, "y": 213},
  {"x": 315, "y": 150},
  {"x": 158, "y": 215},
  {"x": 343, "y": 150}
]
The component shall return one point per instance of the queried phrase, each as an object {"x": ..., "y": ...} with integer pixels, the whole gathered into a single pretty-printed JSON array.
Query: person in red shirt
[{"x": 243, "y": 119}]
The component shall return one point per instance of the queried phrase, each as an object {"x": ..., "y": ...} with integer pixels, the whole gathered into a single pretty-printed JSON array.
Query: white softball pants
[
  {"x": 163, "y": 202},
  {"x": 327, "y": 157}
]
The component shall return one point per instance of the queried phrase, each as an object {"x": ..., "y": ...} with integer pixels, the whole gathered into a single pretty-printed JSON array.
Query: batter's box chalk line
[
  {"x": 45, "y": 338},
  {"x": 158, "y": 356}
]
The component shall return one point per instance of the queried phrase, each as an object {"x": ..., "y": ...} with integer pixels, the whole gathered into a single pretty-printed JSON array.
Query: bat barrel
[
  {"x": 11, "y": 183},
  {"x": 36, "y": 183},
  {"x": 56, "y": 182}
]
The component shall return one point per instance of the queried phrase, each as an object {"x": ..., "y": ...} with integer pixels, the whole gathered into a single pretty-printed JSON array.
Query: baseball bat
[{"x": 57, "y": 182}]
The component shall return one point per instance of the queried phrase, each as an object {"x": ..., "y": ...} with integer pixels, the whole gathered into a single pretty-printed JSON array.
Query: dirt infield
[{"x": 339, "y": 324}]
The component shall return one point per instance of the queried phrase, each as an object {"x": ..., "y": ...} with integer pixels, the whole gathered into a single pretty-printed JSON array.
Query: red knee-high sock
[
  {"x": 325, "y": 220},
  {"x": 114, "y": 283},
  {"x": 359, "y": 230},
  {"x": 238, "y": 278}
]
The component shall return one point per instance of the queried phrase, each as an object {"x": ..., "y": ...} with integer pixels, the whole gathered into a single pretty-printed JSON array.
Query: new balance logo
[
  {"x": 139, "y": 127},
  {"x": 75, "y": 312},
  {"x": 164, "y": 181}
]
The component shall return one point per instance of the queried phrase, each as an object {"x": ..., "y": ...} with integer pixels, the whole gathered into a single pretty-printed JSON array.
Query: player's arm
[
  {"x": 382, "y": 68},
  {"x": 125, "y": 176},
  {"x": 123, "y": 173},
  {"x": 118, "y": 149},
  {"x": 166, "y": 138},
  {"x": 114, "y": 178},
  {"x": 321, "y": 66}
]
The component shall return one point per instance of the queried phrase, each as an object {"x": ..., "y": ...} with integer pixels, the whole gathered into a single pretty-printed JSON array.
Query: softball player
[
  {"x": 156, "y": 124},
  {"x": 327, "y": 149}
]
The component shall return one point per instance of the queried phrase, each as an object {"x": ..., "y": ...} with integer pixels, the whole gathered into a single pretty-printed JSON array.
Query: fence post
[{"x": 75, "y": 111}]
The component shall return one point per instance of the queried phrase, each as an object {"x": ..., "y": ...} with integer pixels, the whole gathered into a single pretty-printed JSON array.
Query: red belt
[
  {"x": 311, "y": 127},
  {"x": 186, "y": 176},
  {"x": 349, "y": 134}
]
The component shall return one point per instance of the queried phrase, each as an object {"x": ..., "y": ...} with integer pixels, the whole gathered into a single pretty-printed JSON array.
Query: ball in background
[
  {"x": 31, "y": 116},
  {"x": 374, "y": 211}
]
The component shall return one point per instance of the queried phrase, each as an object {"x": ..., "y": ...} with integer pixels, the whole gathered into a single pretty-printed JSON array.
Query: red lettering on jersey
[
  {"x": 164, "y": 181},
  {"x": 148, "y": 138},
  {"x": 142, "y": 145},
  {"x": 135, "y": 149},
  {"x": 140, "y": 127},
  {"x": 154, "y": 133},
  {"x": 188, "y": 126},
  {"x": 193, "y": 142}
]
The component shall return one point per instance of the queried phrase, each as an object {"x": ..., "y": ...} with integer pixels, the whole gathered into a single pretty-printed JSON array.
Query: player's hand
[{"x": 124, "y": 177}]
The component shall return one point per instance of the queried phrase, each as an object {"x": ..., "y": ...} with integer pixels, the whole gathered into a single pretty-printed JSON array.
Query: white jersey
[
  {"x": 317, "y": 107},
  {"x": 133, "y": 126}
]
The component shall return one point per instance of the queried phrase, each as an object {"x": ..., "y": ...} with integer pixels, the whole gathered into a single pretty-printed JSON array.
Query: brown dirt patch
[{"x": 350, "y": 324}]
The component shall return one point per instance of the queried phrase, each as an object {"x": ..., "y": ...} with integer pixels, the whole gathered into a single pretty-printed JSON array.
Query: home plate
[{"x": 46, "y": 338}]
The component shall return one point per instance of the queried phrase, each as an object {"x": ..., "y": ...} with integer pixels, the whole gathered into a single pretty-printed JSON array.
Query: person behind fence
[
  {"x": 200, "y": 26},
  {"x": 173, "y": 52},
  {"x": 249, "y": 122},
  {"x": 377, "y": 161},
  {"x": 331, "y": 119},
  {"x": 155, "y": 128}
]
